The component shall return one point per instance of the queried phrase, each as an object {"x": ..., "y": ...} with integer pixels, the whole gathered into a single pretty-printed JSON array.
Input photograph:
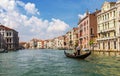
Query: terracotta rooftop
[
  {"x": 22, "y": 43},
  {"x": 6, "y": 28}
]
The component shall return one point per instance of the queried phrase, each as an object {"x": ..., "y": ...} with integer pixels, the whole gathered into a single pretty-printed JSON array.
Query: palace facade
[{"x": 108, "y": 26}]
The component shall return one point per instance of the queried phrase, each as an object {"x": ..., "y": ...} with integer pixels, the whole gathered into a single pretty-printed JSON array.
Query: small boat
[
  {"x": 3, "y": 51},
  {"x": 83, "y": 56}
]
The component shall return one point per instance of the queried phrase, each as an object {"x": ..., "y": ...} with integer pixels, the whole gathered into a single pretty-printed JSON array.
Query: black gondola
[{"x": 83, "y": 56}]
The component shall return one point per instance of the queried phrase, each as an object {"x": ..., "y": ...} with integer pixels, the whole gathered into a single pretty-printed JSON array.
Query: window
[
  {"x": 108, "y": 25},
  {"x": 91, "y": 31},
  {"x": 84, "y": 23},
  {"x": 108, "y": 34},
  {"x": 70, "y": 37},
  {"x": 114, "y": 33},
  {"x": 114, "y": 44},
  {"x": 108, "y": 45},
  {"x": 7, "y": 40},
  {"x": 103, "y": 45},
  {"x": 99, "y": 35},
  {"x": 114, "y": 13},
  {"x": 114, "y": 23},
  {"x": 105, "y": 25},
  {"x": 7, "y": 33},
  {"x": 108, "y": 15},
  {"x": 105, "y": 35},
  {"x": 99, "y": 45},
  {"x": 84, "y": 29},
  {"x": 105, "y": 17},
  {"x": 87, "y": 22},
  {"x": 10, "y": 40}
]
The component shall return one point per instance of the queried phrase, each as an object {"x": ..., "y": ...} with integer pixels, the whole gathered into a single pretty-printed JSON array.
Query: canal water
[{"x": 55, "y": 63}]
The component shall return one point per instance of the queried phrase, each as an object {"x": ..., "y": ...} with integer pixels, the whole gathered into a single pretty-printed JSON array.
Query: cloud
[
  {"x": 29, "y": 26},
  {"x": 81, "y": 16},
  {"x": 30, "y": 8},
  {"x": 57, "y": 25},
  {"x": 20, "y": 3},
  {"x": 8, "y": 5}
]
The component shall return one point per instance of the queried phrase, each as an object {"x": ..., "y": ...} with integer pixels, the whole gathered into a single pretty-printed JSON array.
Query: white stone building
[
  {"x": 108, "y": 23},
  {"x": 11, "y": 37}
]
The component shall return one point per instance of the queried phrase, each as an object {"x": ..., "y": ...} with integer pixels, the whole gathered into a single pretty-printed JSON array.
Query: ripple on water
[{"x": 55, "y": 63}]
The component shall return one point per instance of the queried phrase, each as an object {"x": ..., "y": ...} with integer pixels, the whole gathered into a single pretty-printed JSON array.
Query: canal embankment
[{"x": 106, "y": 52}]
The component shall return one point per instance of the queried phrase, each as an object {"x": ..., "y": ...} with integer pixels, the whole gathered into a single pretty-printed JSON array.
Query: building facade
[
  {"x": 2, "y": 42},
  {"x": 60, "y": 42},
  {"x": 118, "y": 24},
  {"x": 68, "y": 40},
  {"x": 50, "y": 44},
  {"x": 40, "y": 44},
  {"x": 75, "y": 40},
  {"x": 71, "y": 38},
  {"x": 11, "y": 37},
  {"x": 107, "y": 27},
  {"x": 33, "y": 43},
  {"x": 87, "y": 29},
  {"x": 45, "y": 44}
]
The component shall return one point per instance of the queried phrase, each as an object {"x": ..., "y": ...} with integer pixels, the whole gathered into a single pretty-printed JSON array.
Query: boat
[
  {"x": 83, "y": 56},
  {"x": 3, "y": 51}
]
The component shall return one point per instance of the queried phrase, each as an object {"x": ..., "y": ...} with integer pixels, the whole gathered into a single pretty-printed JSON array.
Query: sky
[{"x": 45, "y": 19}]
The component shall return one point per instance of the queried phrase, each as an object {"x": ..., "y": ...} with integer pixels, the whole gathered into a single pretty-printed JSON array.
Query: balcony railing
[
  {"x": 106, "y": 20},
  {"x": 107, "y": 30},
  {"x": 107, "y": 38}
]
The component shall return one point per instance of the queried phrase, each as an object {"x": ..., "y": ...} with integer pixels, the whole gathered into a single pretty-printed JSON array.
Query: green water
[{"x": 54, "y": 63}]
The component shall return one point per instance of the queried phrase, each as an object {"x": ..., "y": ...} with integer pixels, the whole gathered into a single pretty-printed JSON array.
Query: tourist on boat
[{"x": 78, "y": 50}]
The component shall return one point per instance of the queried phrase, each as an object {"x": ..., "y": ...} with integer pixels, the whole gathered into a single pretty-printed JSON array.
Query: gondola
[{"x": 83, "y": 56}]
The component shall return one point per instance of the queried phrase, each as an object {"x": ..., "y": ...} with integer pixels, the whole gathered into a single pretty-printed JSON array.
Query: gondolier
[{"x": 78, "y": 50}]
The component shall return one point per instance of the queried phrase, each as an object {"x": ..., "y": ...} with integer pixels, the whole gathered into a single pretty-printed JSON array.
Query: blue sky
[
  {"x": 44, "y": 19},
  {"x": 66, "y": 10}
]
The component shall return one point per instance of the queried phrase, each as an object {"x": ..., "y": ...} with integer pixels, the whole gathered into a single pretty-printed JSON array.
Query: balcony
[
  {"x": 106, "y": 38},
  {"x": 107, "y": 30},
  {"x": 106, "y": 20}
]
